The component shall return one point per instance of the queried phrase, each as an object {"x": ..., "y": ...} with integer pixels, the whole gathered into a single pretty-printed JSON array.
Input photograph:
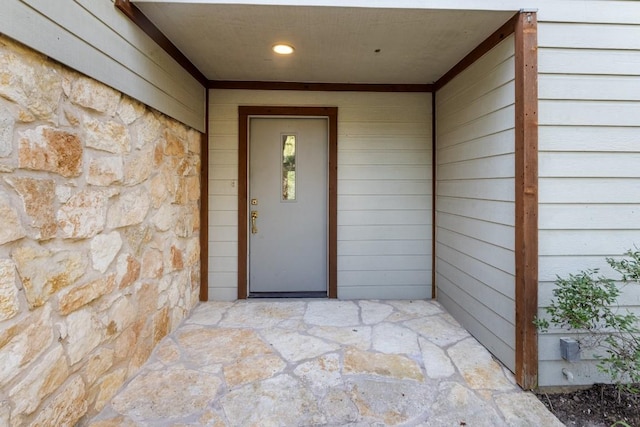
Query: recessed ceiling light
[{"x": 283, "y": 49}]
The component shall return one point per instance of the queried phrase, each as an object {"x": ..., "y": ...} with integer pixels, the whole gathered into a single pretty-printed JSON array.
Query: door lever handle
[{"x": 254, "y": 219}]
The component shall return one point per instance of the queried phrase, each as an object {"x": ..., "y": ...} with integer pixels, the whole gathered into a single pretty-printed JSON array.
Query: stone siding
[{"x": 99, "y": 242}]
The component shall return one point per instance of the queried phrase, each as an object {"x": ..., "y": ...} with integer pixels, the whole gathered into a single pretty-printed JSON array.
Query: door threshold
[{"x": 322, "y": 294}]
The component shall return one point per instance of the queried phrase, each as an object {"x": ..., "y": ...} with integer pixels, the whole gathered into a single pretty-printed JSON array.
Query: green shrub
[{"x": 587, "y": 304}]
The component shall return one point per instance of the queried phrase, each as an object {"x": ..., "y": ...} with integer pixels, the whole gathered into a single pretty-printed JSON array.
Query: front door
[{"x": 287, "y": 206}]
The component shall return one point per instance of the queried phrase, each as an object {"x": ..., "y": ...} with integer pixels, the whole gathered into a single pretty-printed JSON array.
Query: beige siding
[
  {"x": 589, "y": 157},
  {"x": 91, "y": 36},
  {"x": 475, "y": 262},
  {"x": 384, "y": 190}
]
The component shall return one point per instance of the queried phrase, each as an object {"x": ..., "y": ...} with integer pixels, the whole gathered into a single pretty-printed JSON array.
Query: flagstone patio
[{"x": 322, "y": 362}]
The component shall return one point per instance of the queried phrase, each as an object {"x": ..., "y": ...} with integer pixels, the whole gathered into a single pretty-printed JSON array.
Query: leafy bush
[{"x": 587, "y": 304}]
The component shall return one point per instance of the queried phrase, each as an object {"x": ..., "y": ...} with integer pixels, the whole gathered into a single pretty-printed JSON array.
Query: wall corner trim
[{"x": 526, "y": 176}]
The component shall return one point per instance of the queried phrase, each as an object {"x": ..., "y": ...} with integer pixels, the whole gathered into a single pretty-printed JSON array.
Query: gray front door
[{"x": 287, "y": 205}]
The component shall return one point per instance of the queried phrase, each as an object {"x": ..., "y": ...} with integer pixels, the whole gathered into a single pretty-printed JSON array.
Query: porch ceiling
[{"x": 333, "y": 44}]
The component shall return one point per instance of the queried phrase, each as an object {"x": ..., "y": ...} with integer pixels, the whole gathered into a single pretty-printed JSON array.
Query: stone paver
[{"x": 333, "y": 363}]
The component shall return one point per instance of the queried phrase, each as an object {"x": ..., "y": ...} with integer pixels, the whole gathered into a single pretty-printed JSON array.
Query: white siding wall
[
  {"x": 589, "y": 83},
  {"x": 475, "y": 208},
  {"x": 94, "y": 38},
  {"x": 384, "y": 190}
]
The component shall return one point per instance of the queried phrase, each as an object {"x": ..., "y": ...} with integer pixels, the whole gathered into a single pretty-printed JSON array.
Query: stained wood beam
[{"x": 526, "y": 228}]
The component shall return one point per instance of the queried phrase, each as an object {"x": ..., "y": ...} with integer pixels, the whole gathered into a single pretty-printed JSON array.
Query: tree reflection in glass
[{"x": 288, "y": 167}]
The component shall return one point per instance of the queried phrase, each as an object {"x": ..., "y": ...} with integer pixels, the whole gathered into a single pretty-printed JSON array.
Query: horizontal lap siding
[
  {"x": 589, "y": 162},
  {"x": 94, "y": 38},
  {"x": 475, "y": 205},
  {"x": 384, "y": 190}
]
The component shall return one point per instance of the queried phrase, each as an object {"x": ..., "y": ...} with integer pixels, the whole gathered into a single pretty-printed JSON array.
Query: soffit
[{"x": 333, "y": 44}]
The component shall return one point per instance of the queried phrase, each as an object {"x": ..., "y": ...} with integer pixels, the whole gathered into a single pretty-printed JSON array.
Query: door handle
[{"x": 254, "y": 220}]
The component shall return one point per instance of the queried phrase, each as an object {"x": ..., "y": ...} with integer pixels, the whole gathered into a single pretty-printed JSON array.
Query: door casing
[{"x": 244, "y": 114}]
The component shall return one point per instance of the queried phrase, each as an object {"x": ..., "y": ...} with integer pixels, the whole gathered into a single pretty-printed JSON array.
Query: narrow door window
[{"x": 288, "y": 167}]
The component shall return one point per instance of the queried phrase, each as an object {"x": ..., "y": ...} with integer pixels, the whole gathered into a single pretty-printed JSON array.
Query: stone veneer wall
[{"x": 99, "y": 246}]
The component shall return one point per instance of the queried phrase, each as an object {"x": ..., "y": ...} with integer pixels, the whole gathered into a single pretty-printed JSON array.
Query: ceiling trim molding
[
  {"x": 139, "y": 18},
  {"x": 320, "y": 87},
  {"x": 489, "y": 43}
]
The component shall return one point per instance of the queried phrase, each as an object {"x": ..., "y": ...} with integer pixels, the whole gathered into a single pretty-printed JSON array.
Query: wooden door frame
[{"x": 244, "y": 114}]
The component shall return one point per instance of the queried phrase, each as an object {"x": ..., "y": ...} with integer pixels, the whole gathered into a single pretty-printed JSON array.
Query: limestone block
[
  {"x": 127, "y": 270},
  {"x": 359, "y": 337},
  {"x": 387, "y": 401},
  {"x": 71, "y": 117},
  {"x": 49, "y": 149},
  {"x": 72, "y": 299},
  {"x": 177, "y": 262},
  {"x": 456, "y": 405},
  {"x": 193, "y": 188},
  {"x": 374, "y": 312},
  {"x": 104, "y": 248},
  {"x": 146, "y": 295},
  {"x": 159, "y": 191},
  {"x": 183, "y": 221},
  {"x": 195, "y": 214},
  {"x": 9, "y": 304},
  {"x": 29, "y": 79},
  {"x": 320, "y": 374},
  {"x": 160, "y": 325},
  {"x": 177, "y": 128},
  {"x": 123, "y": 314},
  {"x": 38, "y": 198},
  {"x": 129, "y": 209},
  {"x": 41, "y": 380},
  {"x": 188, "y": 190},
  {"x": 85, "y": 333},
  {"x": 480, "y": 371},
  {"x": 436, "y": 362},
  {"x": 158, "y": 155},
  {"x": 108, "y": 386},
  {"x": 66, "y": 408},
  {"x": 44, "y": 273},
  {"x": 189, "y": 166},
  {"x": 89, "y": 93},
  {"x": 294, "y": 347},
  {"x": 332, "y": 313},
  {"x": 125, "y": 344},
  {"x": 192, "y": 252},
  {"x": 139, "y": 165},
  {"x": 22, "y": 344},
  {"x": 64, "y": 193},
  {"x": 137, "y": 236},
  {"x": 104, "y": 171},
  {"x": 251, "y": 370},
  {"x": 385, "y": 365},
  {"x": 110, "y": 136},
  {"x": 152, "y": 265},
  {"x": 98, "y": 364},
  {"x": 147, "y": 129},
  {"x": 5, "y": 412},
  {"x": 392, "y": 338},
  {"x": 6, "y": 131},
  {"x": 163, "y": 219},
  {"x": 141, "y": 353},
  {"x": 130, "y": 110},
  {"x": 265, "y": 397},
  {"x": 146, "y": 397},
  {"x": 173, "y": 145},
  {"x": 194, "y": 139},
  {"x": 83, "y": 215}
]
